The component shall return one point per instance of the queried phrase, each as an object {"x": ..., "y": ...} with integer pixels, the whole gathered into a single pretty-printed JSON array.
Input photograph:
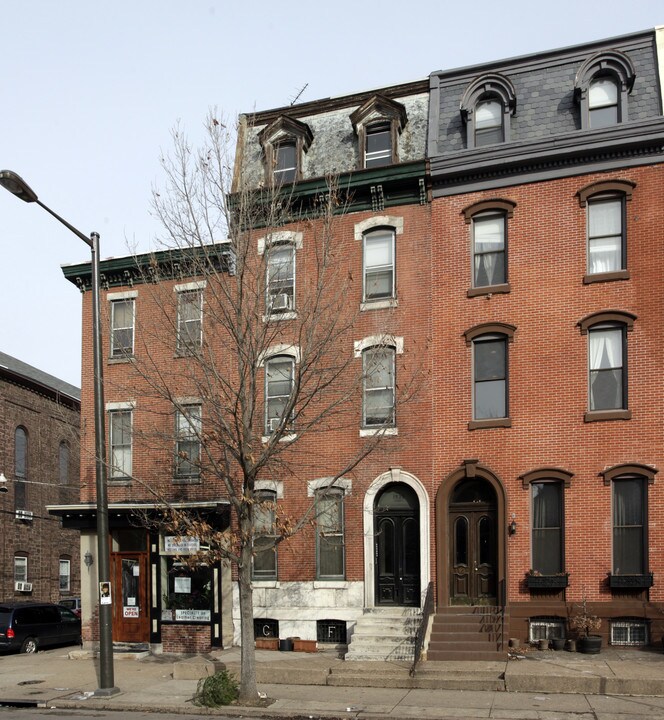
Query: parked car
[
  {"x": 74, "y": 604},
  {"x": 28, "y": 626}
]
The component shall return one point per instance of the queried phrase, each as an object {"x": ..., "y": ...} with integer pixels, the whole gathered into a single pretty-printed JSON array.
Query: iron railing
[{"x": 427, "y": 609}]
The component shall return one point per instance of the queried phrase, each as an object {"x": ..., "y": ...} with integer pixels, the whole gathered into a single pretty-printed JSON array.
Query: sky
[{"x": 91, "y": 91}]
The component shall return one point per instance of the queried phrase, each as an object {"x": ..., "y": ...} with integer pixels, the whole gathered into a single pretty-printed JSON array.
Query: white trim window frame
[
  {"x": 279, "y": 383},
  {"x": 20, "y": 568},
  {"x": 188, "y": 427},
  {"x": 123, "y": 315},
  {"x": 64, "y": 575},
  {"x": 378, "y": 144},
  {"x": 379, "y": 385},
  {"x": 120, "y": 438},
  {"x": 280, "y": 278},
  {"x": 330, "y": 534},
  {"x": 189, "y": 320},
  {"x": 378, "y": 264},
  {"x": 265, "y": 564}
]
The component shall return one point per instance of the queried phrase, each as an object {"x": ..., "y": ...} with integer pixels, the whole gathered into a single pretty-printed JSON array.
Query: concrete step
[{"x": 466, "y": 654}]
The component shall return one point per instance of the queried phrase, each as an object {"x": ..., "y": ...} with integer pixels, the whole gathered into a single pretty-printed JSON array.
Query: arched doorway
[
  {"x": 397, "y": 546},
  {"x": 473, "y": 543}
]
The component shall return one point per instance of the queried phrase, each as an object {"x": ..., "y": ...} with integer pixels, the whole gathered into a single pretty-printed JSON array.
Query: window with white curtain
[
  {"x": 120, "y": 431},
  {"x": 489, "y": 267},
  {"x": 603, "y": 102},
  {"x": 122, "y": 328},
  {"x": 489, "y": 123},
  {"x": 606, "y": 363},
  {"x": 20, "y": 568},
  {"x": 606, "y": 246},
  {"x": 629, "y": 525},
  {"x": 65, "y": 575},
  {"x": 379, "y": 265},
  {"x": 330, "y": 533},
  {"x": 547, "y": 527}
]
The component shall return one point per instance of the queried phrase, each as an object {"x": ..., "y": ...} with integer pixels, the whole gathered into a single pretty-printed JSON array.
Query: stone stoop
[
  {"x": 464, "y": 632},
  {"x": 386, "y": 634}
]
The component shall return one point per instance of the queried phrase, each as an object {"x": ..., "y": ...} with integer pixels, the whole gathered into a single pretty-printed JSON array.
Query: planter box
[
  {"x": 310, "y": 646},
  {"x": 267, "y": 643},
  {"x": 543, "y": 582},
  {"x": 631, "y": 581}
]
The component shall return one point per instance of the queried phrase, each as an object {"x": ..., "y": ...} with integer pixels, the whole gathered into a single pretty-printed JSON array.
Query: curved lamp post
[{"x": 17, "y": 186}]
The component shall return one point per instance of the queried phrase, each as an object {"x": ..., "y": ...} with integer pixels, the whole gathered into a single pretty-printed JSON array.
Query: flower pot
[
  {"x": 558, "y": 643},
  {"x": 310, "y": 646},
  {"x": 570, "y": 646},
  {"x": 267, "y": 643},
  {"x": 590, "y": 645},
  {"x": 542, "y": 644}
]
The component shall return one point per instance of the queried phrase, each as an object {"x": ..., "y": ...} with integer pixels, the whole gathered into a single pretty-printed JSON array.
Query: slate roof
[{"x": 19, "y": 369}]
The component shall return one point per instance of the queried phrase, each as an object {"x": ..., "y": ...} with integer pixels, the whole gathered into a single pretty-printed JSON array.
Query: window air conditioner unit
[
  {"x": 23, "y": 586},
  {"x": 274, "y": 424},
  {"x": 282, "y": 301},
  {"x": 24, "y": 515}
]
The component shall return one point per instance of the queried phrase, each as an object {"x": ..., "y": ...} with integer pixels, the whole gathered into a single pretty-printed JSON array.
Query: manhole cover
[{"x": 31, "y": 682}]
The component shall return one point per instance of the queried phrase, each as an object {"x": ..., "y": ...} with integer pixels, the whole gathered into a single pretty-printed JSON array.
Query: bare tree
[{"x": 242, "y": 328}]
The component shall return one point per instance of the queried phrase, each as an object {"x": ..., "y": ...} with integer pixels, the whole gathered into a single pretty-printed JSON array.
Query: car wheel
[{"x": 29, "y": 645}]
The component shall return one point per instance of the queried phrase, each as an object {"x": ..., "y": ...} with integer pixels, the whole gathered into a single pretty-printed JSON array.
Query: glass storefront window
[{"x": 186, "y": 591}]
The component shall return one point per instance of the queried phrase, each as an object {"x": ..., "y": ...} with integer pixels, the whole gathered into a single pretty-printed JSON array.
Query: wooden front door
[
  {"x": 472, "y": 544},
  {"x": 397, "y": 547},
  {"x": 129, "y": 574}
]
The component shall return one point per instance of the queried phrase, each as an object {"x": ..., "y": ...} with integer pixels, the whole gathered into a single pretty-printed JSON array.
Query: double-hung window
[
  {"x": 120, "y": 437},
  {"x": 378, "y": 151},
  {"x": 330, "y": 533},
  {"x": 279, "y": 379},
  {"x": 379, "y": 265},
  {"x": 489, "y": 267},
  {"x": 606, "y": 234},
  {"x": 65, "y": 575},
  {"x": 122, "y": 328},
  {"x": 607, "y": 386},
  {"x": 188, "y": 425},
  {"x": 490, "y": 377},
  {"x": 603, "y": 106},
  {"x": 280, "y": 278},
  {"x": 489, "y": 123},
  {"x": 629, "y": 525},
  {"x": 265, "y": 549},
  {"x": 379, "y": 386},
  {"x": 547, "y": 527},
  {"x": 20, "y": 568},
  {"x": 189, "y": 321},
  {"x": 285, "y": 162}
]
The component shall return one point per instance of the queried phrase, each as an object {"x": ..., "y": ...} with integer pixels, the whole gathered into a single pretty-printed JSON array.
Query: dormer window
[
  {"x": 488, "y": 123},
  {"x": 601, "y": 88},
  {"x": 378, "y": 123},
  {"x": 285, "y": 163},
  {"x": 378, "y": 150},
  {"x": 486, "y": 108},
  {"x": 284, "y": 143},
  {"x": 603, "y": 103}
]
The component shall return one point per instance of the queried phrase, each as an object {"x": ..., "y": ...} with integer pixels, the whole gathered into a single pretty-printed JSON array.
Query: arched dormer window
[
  {"x": 378, "y": 123},
  {"x": 486, "y": 108},
  {"x": 607, "y": 364},
  {"x": 284, "y": 142},
  {"x": 601, "y": 87}
]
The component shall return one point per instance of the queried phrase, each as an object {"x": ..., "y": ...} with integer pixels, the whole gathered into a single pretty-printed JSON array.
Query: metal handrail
[{"x": 427, "y": 609}]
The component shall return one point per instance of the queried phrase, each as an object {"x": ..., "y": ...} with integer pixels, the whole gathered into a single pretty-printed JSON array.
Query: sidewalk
[{"x": 542, "y": 685}]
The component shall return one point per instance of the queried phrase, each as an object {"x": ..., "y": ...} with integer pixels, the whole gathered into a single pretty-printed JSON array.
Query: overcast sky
[{"x": 90, "y": 92}]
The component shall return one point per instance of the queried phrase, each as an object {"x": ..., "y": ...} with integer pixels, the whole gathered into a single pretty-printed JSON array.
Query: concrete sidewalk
[{"x": 618, "y": 683}]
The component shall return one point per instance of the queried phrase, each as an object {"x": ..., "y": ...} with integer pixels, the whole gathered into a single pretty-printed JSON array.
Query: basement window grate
[
  {"x": 266, "y": 628},
  {"x": 331, "y": 631},
  {"x": 629, "y": 631},
  {"x": 546, "y": 628}
]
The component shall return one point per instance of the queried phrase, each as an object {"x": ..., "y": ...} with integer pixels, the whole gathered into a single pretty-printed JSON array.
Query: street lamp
[{"x": 17, "y": 186}]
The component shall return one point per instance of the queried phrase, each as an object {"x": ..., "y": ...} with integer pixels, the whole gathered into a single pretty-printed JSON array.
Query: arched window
[
  {"x": 377, "y": 123},
  {"x": 607, "y": 364},
  {"x": 284, "y": 143},
  {"x": 490, "y": 374},
  {"x": 20, "y": 468},
  {"x": 601, "y": 88},
  {"x": 486, "y": 107}
]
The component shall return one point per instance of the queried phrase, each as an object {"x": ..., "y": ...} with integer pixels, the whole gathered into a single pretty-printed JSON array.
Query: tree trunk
[{"x": 248, "y": 689}]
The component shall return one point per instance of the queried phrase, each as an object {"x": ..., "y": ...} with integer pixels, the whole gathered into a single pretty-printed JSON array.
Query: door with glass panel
[
  {"x": 129, "y": 578},
  {"x": 473, "y": 544}
]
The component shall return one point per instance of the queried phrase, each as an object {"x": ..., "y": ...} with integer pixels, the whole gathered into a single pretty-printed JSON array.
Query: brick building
[
  {"x": 39, "y": 466},
  {"x": 499, "y": 230}
]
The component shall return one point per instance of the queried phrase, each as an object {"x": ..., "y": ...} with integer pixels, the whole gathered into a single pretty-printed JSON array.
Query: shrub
[{"x": 215, "y": 690}]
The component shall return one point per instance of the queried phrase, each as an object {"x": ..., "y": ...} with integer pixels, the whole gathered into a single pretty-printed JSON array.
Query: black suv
[{"x": 27, "y": 626}]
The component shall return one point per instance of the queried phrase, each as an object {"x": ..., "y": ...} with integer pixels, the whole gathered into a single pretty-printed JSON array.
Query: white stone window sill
[
  {"x": 285, "y": 438},
  {"x": 370, "y": 432},
  {"x": 277, "y": 317},
  {"x": 379, "y": 304},
  {"x": 331, "y": 584}
]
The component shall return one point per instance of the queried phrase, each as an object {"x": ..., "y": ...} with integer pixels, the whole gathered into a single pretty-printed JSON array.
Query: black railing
[{"x": 427, "y": 609}]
